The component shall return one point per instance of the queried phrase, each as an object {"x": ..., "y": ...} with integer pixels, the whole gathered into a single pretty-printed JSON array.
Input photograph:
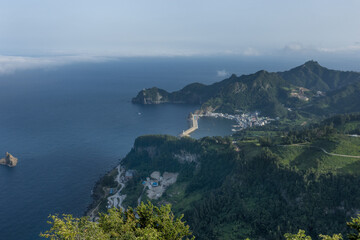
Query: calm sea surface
[{"x": 71, "y": 124}]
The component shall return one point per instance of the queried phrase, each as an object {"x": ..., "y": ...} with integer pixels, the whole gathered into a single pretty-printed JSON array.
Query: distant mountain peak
[
  {"x": 261, "y": 73},
  {"x": 309, "y": 67},
  {"x": 233, "y": 76},
  {"x": 312, "y": 64}
]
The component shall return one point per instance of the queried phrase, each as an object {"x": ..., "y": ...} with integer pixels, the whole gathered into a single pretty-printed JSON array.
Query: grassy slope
[{"x": 304, "y": 158}]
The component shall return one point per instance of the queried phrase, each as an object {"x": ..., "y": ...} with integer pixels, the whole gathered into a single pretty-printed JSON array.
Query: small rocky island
[{"x": 9, "y": 160}]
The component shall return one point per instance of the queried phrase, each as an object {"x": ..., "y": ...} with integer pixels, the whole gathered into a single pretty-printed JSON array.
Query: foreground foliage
[
  {"x": 148, "y": 222},
  {"x": 354, "y": 225}
]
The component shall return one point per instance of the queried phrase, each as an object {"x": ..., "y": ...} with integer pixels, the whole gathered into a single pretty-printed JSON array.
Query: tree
[
  {"x": 333, "y": 237},
  {"x": 70, "y": 228},
  {"x": 298, "y": 236},
  {"x": 355, "y": 225},
  {"x": 147, "y": 222},
  {"x": 302, "y": 236}
]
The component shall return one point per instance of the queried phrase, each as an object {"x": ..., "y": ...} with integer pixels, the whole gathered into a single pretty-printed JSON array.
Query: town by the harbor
[{"x": 243, "y": 120}]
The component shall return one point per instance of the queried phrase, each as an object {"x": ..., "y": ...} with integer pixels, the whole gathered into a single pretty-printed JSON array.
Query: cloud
[
  {"x": 299, "y": 48},
  {"x": 251, "y": 52},
  {"x": 10, "y": 64},
  {"x": 345, "y": 49},
  {"x": 294, "y": 47},
  {"x": 222, "y": 73}
]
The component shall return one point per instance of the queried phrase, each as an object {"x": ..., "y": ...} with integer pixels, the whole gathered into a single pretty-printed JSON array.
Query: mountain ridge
[{"x": 271, "y": 93}]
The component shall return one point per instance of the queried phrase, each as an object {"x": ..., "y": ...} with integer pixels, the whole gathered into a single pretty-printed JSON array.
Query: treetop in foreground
[
  {"x": 147, "y": 222},
  {"x": 355, "y": 235}
]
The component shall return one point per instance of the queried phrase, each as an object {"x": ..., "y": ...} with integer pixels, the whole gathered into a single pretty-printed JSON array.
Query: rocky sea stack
[{"x": 9, "y": 160}]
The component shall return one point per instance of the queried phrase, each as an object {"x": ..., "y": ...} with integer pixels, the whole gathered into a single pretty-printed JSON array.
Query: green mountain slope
[
  {"x": 342, "y": 100},
  {"x": 262, "y": 91},
  {"x": 270, "y": 93},
  {"x": 313, "y": 76}
]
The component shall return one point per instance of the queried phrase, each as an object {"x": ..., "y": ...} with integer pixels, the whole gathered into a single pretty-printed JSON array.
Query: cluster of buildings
[
  {"x": 300, "y": 93},
  {"x": 153, "y": 181},
  {"x": 243, "y": 120},
  {"x": 157, "y": 184}
]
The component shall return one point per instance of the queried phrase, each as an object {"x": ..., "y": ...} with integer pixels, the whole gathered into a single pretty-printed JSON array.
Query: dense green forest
[{"x": 260, "y": 183}]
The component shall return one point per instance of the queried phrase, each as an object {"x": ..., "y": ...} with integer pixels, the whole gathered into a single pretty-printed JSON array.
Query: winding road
[{"x": 117, "y": 199}]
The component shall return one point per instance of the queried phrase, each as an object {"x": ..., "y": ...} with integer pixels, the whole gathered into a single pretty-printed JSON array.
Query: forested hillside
[
  {"x": 306, "y": 89},
  {"x": 258, "y": 186}
]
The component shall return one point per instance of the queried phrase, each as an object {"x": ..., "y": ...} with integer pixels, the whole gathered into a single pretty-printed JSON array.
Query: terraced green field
[{"x": 307, "y": 157}]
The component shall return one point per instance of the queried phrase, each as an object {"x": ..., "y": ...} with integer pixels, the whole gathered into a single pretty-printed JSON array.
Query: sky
[{"x": 38, "y": 28}]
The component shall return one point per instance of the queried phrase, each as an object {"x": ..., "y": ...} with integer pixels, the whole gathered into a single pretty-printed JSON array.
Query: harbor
[{"x": 243, "y": 121}]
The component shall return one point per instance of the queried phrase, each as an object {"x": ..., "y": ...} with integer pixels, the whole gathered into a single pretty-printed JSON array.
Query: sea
[{"x": 70, "y": 124}]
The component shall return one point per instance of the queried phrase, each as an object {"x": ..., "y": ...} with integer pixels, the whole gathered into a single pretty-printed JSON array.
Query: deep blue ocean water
[{"x": 69, "y": 125}]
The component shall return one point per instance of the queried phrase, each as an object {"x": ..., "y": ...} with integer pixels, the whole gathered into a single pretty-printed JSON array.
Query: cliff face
[{"x": 9, "y": 160}]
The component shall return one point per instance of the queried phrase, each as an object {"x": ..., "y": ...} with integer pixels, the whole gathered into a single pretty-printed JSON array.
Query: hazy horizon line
[{"x": 9, "y": 63}]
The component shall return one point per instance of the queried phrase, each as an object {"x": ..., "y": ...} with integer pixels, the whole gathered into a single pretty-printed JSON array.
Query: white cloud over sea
[
  {"x": 10, "y": 64},
  {"x": 301, "y": 48},
  {"x": 222, "y": 73},
  {"x": 346, "y": 49},
  {"x": 251, "y": 52}
]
